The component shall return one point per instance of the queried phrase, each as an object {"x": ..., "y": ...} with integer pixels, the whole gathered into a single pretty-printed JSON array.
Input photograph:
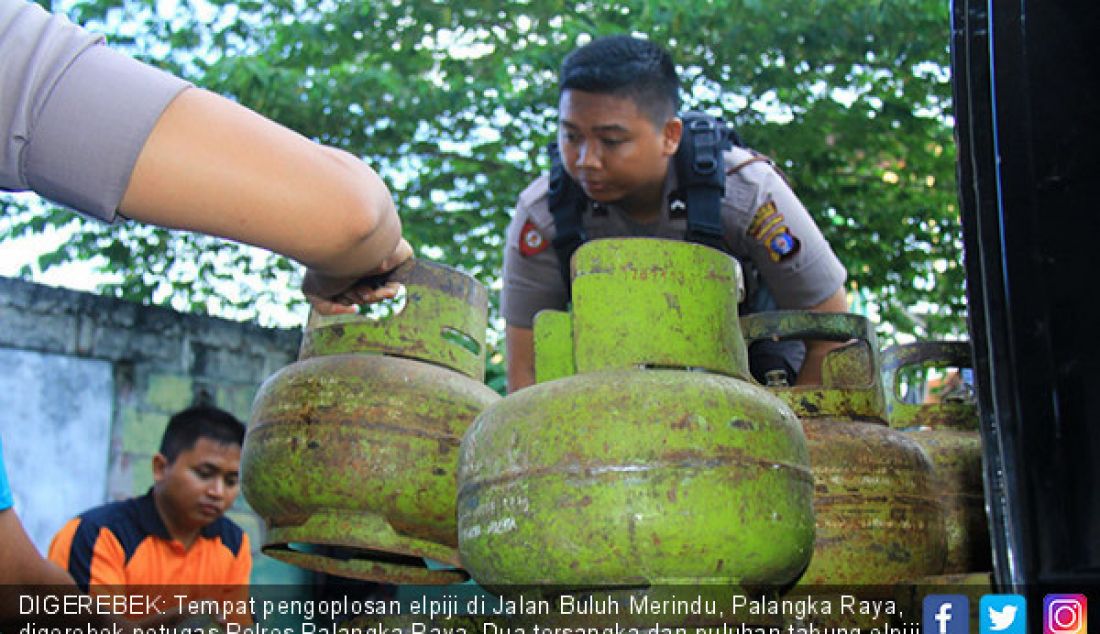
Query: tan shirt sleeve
[
  {"x": 74, "y": 114},
  {"x": 532, "y": 278},
  {"x": 766, "y": 222}
]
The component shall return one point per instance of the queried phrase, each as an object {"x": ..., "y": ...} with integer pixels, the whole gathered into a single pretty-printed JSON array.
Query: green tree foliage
[{"x": 454, "y": 103}]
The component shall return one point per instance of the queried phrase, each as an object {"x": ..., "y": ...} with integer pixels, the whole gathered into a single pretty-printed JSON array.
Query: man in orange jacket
[{"x": 176, "y": 534}]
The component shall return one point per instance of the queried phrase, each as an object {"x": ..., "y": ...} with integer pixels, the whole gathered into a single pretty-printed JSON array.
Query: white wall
[{"x": 55, "y": 423}]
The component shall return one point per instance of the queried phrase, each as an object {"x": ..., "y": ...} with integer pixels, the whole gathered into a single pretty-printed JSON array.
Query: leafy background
[{"x": 453, "y": 104}]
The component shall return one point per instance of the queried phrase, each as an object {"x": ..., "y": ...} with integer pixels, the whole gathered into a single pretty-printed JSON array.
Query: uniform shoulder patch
[
  {"x": 531, "y": 240},
  {"x": 782, "y": 244},
  {"x": 769, "y": 228}
]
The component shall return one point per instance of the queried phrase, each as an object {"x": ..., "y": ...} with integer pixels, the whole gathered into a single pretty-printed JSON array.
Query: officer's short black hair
[
  {"x": 629, "y": 67},
  {"x": 199, "y": 421}
]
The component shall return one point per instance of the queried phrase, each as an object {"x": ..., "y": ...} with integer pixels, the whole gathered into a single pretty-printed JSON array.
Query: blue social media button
[
  {"x": 1003, "y": 614},
  {"x": 946, "y": 614}
]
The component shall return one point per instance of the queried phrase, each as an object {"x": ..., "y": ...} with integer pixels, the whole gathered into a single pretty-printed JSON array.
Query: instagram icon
[{"x": 1065, "y": 614}]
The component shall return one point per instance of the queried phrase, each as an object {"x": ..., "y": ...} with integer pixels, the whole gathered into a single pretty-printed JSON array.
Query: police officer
[{"x": 617, "y": 137}]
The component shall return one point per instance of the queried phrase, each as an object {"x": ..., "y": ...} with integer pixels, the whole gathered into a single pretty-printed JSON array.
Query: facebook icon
[{"x": 946, "y": 614}]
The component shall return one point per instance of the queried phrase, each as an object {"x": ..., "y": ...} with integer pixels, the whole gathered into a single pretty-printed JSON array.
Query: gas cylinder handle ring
[
  {"x": 955, "y": 354},
  {"x": 946, "y": 353},
  {"x": 801, "y": 324}
]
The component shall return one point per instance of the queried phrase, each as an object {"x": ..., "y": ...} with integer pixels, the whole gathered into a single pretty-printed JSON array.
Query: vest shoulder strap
[
  {"x": 567, "y": 204},
  {"x": 701, "y": 175}
]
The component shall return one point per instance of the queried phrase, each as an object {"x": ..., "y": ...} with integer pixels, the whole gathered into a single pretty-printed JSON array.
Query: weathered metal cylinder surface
[
  {"x": 957, "y": 458},
  {"x": 553, "y": 333},
  {"x": 635, "y": 477},
  {"x": 878, "y": 517},
  {"x": 660, "y": 303},
  {"x": 352, "y": 451},
  {"x": 370, "y": 440},
  {"x": 443, "y": 322},
  {"x": 877, "y": 513},
  {"x": 948, "y": 432}
]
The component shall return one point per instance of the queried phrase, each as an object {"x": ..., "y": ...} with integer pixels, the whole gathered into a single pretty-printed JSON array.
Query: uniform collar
[{"x": 667, "y": 190}]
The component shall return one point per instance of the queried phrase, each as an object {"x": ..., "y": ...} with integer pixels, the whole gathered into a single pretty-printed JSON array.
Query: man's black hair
[
  {"x": 200, "y": 421},
  {"x": 629, "y": 67}
]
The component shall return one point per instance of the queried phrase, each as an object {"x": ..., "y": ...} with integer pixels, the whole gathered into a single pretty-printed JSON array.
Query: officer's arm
[
  {"x": 816, "y": 349},
  {"x": 520, "y": 356},
  {"x": 215, "y": 167},
  {"x": 27, "y": 577},
  {"x": 27, "y": 581},
  {"x": 20, "y": 563}
]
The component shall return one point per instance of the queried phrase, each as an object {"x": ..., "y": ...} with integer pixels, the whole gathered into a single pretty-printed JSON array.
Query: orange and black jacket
[{"x": 127, "y": 544}]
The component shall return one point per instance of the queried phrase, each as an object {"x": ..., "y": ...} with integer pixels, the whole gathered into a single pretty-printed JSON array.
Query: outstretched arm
[
  {"x": 213, "y": 166},
  {"x": 20, "y": 563},
  {"x": 100, "y": 132}
]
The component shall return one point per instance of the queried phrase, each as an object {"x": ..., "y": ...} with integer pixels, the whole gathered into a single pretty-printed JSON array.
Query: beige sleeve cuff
[{"x": 92, "y": 128}]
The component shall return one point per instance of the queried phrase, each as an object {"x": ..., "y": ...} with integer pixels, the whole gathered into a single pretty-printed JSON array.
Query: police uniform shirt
[
  {"x": 763, "y": 221},
  {"x": 74, "y": 114}
]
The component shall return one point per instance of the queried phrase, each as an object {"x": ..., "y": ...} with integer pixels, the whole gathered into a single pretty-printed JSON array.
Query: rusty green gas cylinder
[
  {"x": 948, "y": 431},
  {"x": 627, "y": 467},
  {"x": 351, "y": 454},
  {"x": 878, "y": 519}
]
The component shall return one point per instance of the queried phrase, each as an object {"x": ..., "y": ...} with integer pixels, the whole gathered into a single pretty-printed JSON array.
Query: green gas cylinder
[
  {"x": 351, "y": 454},
  {"x": 645, "y": 454},
  {"x": 878, "y": 519},
  {"x": 948, "y": 431}
]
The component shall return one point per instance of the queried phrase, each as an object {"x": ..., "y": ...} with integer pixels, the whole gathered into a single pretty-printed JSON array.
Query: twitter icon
[{"x": 1002, "y": 614}]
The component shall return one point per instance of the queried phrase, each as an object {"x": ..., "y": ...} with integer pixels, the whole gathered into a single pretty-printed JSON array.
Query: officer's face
[
  {"x": 199, "y": 485},
  {"x": 612, "y": 149}
]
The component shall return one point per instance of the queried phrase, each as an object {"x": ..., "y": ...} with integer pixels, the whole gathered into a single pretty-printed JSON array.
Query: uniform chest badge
[
  {"x": 531, "y": 241},
  {"x": 769, "y": 228}
]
